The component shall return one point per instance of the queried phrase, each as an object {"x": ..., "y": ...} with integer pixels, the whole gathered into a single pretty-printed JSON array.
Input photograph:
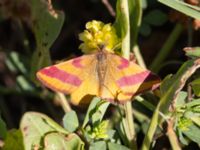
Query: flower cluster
[
  {"x": 99, "y": 131},
  {"x": 96, "y": 35}
]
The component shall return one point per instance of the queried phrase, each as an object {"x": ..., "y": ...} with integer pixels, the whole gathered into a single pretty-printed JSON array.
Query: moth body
[{"x": 101, "y": 69}]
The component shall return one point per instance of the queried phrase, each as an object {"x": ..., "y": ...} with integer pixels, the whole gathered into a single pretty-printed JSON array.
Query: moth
[{"x": 101, "y": 74}]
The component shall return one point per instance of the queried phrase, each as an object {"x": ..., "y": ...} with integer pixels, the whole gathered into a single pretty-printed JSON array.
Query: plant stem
[
  {"x": 129, "y": 126},
  {"x": 126, "y": 39},
  {"x": 152, "y": 127},
  {"x": 147, "y": 104},
  {"x": 172, "y": 136},
  {"x": 64, "y": 103},
  {"x": 164, "y": 52},
  {"x": 138, "y": 56}
]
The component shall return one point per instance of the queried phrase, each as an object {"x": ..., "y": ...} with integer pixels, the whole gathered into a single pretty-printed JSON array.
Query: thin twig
[
  {"x": 189, "y": 91},
  {"x": 64, "y": 103},
  {"x": 109, "y": 7}
]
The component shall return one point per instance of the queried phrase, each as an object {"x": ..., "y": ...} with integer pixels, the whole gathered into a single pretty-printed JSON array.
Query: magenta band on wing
[
  {"x": 136, "y": 78},
  {"x": 77, "y": 62},
  {"x": 124, "y": 64},
  {"x": 63, "y": 76}
]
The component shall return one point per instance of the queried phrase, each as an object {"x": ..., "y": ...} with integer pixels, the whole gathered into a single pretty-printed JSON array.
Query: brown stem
[
  {"x": 184, "y": 78},
  {"x": 172, "y": 135},
  {"x": 189, "y": 91},
  {"x": 109, "y": 7}
]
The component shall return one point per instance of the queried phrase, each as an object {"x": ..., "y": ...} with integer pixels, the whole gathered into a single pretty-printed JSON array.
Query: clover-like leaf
[
  {"x": 35, "y": 126},
  {"x": 70, "y": 121},
  {"x": 59, "y": 141}
]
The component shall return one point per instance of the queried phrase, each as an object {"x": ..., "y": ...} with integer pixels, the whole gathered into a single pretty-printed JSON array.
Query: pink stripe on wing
[
  {"x": 135, "y": 79},
  {"x": 77, "y": 62},
  {"x": 61, "y": 75},
  {"x": 124, "y": 64}
]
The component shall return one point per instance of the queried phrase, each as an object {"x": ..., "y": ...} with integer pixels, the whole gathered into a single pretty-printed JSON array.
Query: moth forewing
[{"x": 103, "y": 74}]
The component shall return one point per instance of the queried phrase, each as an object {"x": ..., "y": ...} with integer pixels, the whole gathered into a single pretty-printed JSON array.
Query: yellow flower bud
[{"x": 98, "y": 34}]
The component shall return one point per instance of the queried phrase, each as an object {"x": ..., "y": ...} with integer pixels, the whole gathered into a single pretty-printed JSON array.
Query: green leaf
[
  {"x": 181, "y": 99},
  {"x": 183, "y": 7},
  {"x": 121, "y": 131},
  {"x": 111, "y": 133},
  {"x": 193, "y": 103},
  {"x": 70, "y": 121},
  {"x": 34, "y": 126},
  {"x": 193, "y": 133},
  {"x": 58, "y": 141},
  {"x": 100, "y": 110},
  {"x": 3, "y": 129},
  {"x": 135, "y": 16},
  {"x": 145, "y": 29},
  {"x": 147, "y": 104},
  {"x": 96, "y": 110},
  {"x": 145, "y": 126},
  {"x": 24, "y": 84},
  {"x": 46, "y": 26},
  {"x": 195, "y": 117},
  {"x": 10, "y": 65},
  {"x": 155, "y": 18},
  {"x": 101, "y": 145},
  {"x": 192, "y": 51},
  {"x": 14, "y": 140},
  {"x": 15, "y": 62},
  {"x": 177, "y": 82},
  {"x": 40, "y": 59},
  {"x": 114, "y": 146},
  {"x": 166, "y": 83},
  {"x": 196, "y": 86},
  {"x": 182, "y": 139},
  {"x": 90, "y": 109},
  {"x": 47, "y": 22},
  {"x": 121, "y": 20},
  {"x": 196, "y": 120}
]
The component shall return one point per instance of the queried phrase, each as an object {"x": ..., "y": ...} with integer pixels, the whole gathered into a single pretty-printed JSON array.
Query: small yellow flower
[
  {"x": 100, "y": 131},
  {"x": 184, "y": 123},
  {"x": 98, "y": 34}
]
